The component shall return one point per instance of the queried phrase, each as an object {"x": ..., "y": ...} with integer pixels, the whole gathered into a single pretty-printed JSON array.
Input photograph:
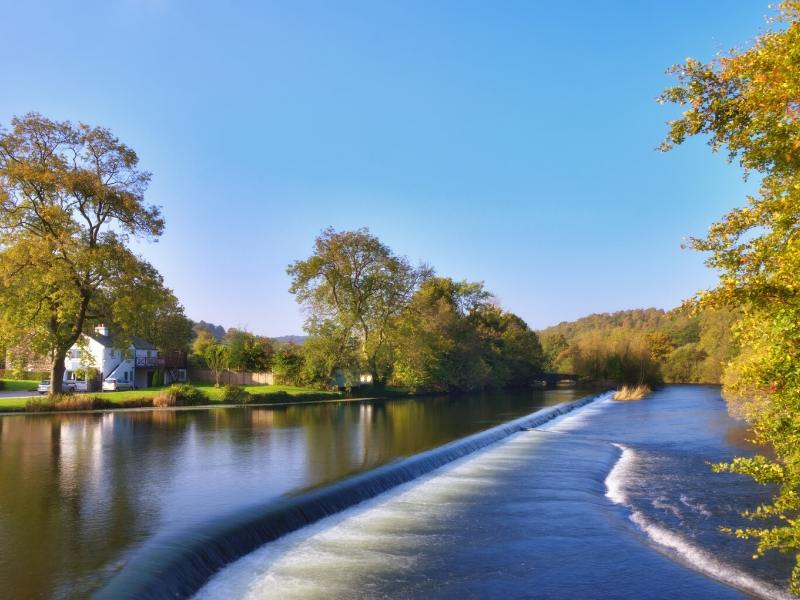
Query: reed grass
[{"x": 632, "y": 392}]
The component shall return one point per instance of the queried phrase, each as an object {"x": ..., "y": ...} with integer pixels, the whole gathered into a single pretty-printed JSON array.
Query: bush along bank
[{"x": 174, "y": 396}]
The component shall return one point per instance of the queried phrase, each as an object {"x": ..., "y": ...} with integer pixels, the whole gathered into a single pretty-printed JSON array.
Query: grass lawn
[
  {"x": 15, "y": 404},
  {"x": 18, "y": 385},
  {"x": 261, "y": 393},
  {"x": 280, "y": 391},
  {"x": 215, "y": 394}
]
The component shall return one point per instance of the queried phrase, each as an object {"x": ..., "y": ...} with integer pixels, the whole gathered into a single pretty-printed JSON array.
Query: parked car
[
  {"x": 66, "y": 386},
  {"x": 79, "y": 385},
  {"x": 114, "y": 385}
]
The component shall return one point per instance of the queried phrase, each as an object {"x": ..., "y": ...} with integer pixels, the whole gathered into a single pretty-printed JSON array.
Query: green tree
[
  {"x": 71, "y": 196},
  {"x": 683, "y": 363},
  {"x": 522, "y": 350},
  {"x": 217, "y": 358},
  {"x": 510, "y": 350},
  {"x": 248, "y": 352},
  {"x": 438, "y": 348},
  {"x": 553, "y": 345},
  {"x": 746, "y": 103},
  {"x": 660, "y": 344},
  {"x": 203, "y": 339},
  {"x": 324, "y": 356},
  {"x": 156, "y": 315},
  {"x": 354, "y": 288},
  {"x": 288, "y": 365}
]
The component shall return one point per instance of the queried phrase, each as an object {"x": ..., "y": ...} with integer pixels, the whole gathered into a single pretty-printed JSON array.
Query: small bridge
[{"x": 556, "y": 378}]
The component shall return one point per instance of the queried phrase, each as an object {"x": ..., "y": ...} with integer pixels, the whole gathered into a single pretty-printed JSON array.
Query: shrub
[
  {"x": 72, "y": 402},
  {"x": 2, "y": 384},
  {"x": 235, "y": 394},
  {"x": 39, "y": 405},
  {"x": 179, "y": 395},
  {"x": 66, "y": 403}
]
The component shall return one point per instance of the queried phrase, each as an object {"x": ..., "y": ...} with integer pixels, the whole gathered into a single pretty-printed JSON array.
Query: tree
[
  {"x": 553, "y": 345},
  {"x": 323, "y": 356},
  {"x": 71, "y": 196},
  {"x": 156, "y": 315},
  {"x": 217, "y": 356},
  {"x": 353, "y": 288},
  {"x": 746, "y": 102},
  {"x": 248, "y": 352},
  {"x": 683, "y": 363},
  {"x": 287, "y": 366},
  {"x": 215, "y": 331},
  {"x": 201, "y": 341},
  {"x": 520, "y": 352},
  {"x": 438, "y": 347}
]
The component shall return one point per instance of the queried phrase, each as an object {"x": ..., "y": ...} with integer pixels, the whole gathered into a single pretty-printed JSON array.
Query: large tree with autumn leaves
[
  {"x": 747, "y": 104},
  {"x": 71, "y": 197}
]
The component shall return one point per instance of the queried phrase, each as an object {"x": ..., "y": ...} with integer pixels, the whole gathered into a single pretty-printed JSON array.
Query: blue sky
[{"x": 508, "y": 142}]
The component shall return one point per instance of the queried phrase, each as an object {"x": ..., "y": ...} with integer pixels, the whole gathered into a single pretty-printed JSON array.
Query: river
[
  {"x": 80, "y": 494},
  {"x": 612, "y": 500}
]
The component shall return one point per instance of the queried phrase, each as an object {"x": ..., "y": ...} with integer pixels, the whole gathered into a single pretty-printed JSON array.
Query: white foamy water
[
  {"x": 334, "y": 557},
  {"x": 573, "y": 420},
  {"x": 354, "y": 553},
  {"x": 325, "y": 559},
  {"x": 676, "y": 545}
]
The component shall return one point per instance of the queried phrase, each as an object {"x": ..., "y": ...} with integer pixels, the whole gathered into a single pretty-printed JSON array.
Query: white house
[{"x": 134, "y": 366}]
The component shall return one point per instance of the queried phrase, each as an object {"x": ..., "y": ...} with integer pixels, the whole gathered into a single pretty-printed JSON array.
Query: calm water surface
[{"x": 80, "y": 493}]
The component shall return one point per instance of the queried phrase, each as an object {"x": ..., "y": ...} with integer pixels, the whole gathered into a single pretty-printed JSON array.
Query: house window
[{"x": 125, "y": 376}]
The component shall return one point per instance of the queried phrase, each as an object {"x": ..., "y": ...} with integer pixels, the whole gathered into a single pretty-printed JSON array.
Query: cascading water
[
  {"x": 613, "y": 501},
  {"x": 178, "y": 567}
]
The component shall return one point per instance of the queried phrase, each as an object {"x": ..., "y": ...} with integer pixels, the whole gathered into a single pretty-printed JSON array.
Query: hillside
[{"x": 637, "y": 345}]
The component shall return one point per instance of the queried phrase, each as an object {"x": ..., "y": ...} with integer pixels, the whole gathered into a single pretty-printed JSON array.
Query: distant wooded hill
[
  {"x": 649, "y": 345},
  {"x": 298, "y": 340},
  {"x": 218, "y": 333}
]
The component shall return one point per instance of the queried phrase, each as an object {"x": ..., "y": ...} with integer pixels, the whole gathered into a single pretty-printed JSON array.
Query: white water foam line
[
  {"x": 570, "y": 421},
  {"x": 335, "y": 556},
  {"x": 327, "y": 558},
  {"x": 179, "y": 567},
  {"x": 677, "y": 546}
]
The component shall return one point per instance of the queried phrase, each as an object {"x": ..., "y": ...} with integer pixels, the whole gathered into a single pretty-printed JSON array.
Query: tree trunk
[
  {"x": 57, "y": 372},
  {"x": 378, "y": 384}
]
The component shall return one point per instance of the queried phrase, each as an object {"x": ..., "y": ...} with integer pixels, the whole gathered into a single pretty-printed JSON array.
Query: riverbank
[{"x": 260, "y": 395}]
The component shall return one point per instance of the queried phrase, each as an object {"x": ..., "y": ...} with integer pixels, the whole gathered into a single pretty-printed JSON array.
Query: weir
[{"x": 180, "y": 566}]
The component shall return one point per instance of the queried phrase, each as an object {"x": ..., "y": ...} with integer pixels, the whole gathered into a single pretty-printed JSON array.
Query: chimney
[{"x": 101, "y": 330}]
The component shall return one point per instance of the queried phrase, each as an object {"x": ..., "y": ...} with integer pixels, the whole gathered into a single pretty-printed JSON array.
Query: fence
[{"x": 226, "y": 377}]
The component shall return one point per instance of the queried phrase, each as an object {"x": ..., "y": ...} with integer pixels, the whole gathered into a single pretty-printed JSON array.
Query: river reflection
[{"x": 80, "y": 492}]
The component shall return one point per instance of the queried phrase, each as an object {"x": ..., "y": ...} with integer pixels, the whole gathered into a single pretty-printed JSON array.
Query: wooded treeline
[
  {"x": 648, "y": 346},
  {"x": 372, "y": 315}
]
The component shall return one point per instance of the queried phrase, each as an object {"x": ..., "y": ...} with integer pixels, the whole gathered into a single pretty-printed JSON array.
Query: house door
[{"x": 150, "y": 375}]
